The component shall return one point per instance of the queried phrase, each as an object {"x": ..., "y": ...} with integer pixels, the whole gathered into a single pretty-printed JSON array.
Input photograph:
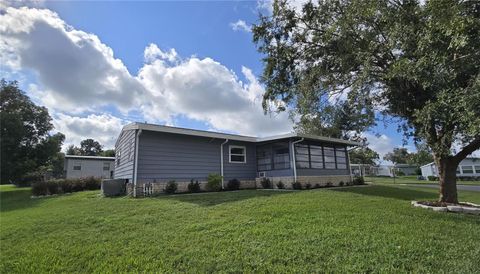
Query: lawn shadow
[
  {"x": 17, "y": 198},
  {"x": 224, "y": 197},
  {"x": 399, "y": 193}
]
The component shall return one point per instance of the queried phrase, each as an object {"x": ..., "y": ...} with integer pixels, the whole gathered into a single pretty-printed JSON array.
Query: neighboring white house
[
  {"x": 388, "y": 170},
  {"x": 469, "y": 167},
  {"x": 86, "y": 166}
]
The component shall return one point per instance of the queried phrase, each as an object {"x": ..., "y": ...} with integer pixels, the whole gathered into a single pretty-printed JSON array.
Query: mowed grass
[
  {"x": 410, "y": 180},
  {"x": 356, "y": 229}
]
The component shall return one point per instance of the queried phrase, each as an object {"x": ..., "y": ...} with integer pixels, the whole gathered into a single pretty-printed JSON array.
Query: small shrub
[
  {"x": 280, "y": 185},
  {"x": 296, "y": 185},
  {"x": 341, "y": 183},
  {"x": 92, "y": 183},
  {"x": 317, "y": 185},
  {"x": 358, "y": 181},
  {"x": 432, "y": 178},
  {"x": 66, "y": 186},
  {"x": 308, "y": 186},
  {"x": 400, "y": 173},
  {"x": 328, "y": 184},
  {"x": 193, "y": 186},
  {"x": 53, "y": 187},
  {"x": 39, "y": 189},
  {"x": 170, "y": 187},
  {"x": 266, "y": 183},
  {"x": 233, "y": 184},
  {"x": 77, "y": 185},
  {"x": 214, "y": 182}
]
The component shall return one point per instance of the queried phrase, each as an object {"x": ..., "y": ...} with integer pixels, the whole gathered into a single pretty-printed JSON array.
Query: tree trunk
[{"x": 447, "y": 175}]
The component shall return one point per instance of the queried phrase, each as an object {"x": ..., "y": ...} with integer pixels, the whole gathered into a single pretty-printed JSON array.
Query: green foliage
[
  {"x": 399, "y": 173},
  {"x": 90, "y": 147},
  {"x": 397, "y": 156},
  {"x": 280, "y": 185},
  {"x": 193, "y": 186},
  {"x": 341, "y": 183},
  {"x": 358, "y": 180},
  {"x": 58, "y": 186},
  {"x": 422, "y": 157},
  {"x": 108, "y": 153},
  {"x": 25, "y": 141},
  {"x": 297, "y": 185},
  {"x": 171, "y": 187},
  {"x": 432, "y": 178},
  {"x": 92, "y": 183},
  {"x": 214, "y": 182},
  {"x": 266, "y": 183},
  {"x": 363, "y": 155},
  {"x": 233, "y": 184},
  {"x": 416, "y": 62},
  {"x": 39, "y": 189},
  {"x": 30, "y": 178},
  {"x": 308, "y": 186}
]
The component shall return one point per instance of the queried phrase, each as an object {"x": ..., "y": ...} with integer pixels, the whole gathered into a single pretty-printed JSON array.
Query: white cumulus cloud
[
  {"x": 77, "y": 73},
  {"x": 241, "y": 25}
]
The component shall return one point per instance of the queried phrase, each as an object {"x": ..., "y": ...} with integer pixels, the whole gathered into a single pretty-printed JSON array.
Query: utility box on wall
[{"x": 115, "y": 187}]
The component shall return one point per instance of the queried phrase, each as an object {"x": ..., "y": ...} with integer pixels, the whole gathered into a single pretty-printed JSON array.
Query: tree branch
[{"x": 467, "y": 150}]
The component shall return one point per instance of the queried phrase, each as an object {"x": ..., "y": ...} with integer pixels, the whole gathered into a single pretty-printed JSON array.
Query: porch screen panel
[
  {"x": 301, "y": 156},
  {"x": 341, "y": 157},
  {"x": 281, "y": 156},
  {"x": 329, "y": 157},
  {"x": 264, "y": 158},
  {"x": 316, "y": 156}
]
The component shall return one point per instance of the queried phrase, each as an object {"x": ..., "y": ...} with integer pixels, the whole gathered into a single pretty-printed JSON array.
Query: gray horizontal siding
[
  {"x": 245, "y": 171},
  {"x": 124, "y": 144},
  {"x": 167, "y": 156}
]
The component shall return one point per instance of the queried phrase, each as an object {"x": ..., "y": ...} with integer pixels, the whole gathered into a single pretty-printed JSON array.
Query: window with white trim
[
  {"x": 467, "y": 169},
  {"x": 77, "y": 165},
  {"x": 238, "y": 154}
]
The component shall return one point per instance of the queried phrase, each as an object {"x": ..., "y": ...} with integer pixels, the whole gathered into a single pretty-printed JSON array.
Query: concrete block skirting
[
  {"x": 148, "y": 188},
  {"x": 334, "y": 180}
]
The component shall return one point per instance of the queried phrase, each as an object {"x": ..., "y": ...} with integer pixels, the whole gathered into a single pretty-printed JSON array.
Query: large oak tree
[{"x": 415, "y": 61}]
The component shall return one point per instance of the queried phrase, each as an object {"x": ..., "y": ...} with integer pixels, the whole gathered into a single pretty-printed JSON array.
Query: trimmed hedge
[
  {"x": 59, "y": 186},
  {"x": 194, "y": 186},
  {"x": 233, "y": 184},
  {"x": 171, "y": 187},
  {"x": 214, "y": 182}
]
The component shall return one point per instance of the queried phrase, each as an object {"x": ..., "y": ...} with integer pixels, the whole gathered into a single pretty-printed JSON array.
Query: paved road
[{"x": 459, "y": 187}]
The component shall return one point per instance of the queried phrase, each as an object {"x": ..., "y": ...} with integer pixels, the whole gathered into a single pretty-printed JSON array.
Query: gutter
[
  {"x": 294, "y": 163},
  {"x": 221, "y": 161},
  {"x": 137, "y": 138}
]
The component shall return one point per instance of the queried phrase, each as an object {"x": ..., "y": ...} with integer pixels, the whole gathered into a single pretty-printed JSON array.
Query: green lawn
[
  {"x": 357, "y": 229},
  {"x": 410, "y": 180}
]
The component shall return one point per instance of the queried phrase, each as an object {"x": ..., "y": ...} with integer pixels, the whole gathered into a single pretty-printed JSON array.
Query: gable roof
[{"x": 234, "y": 137}]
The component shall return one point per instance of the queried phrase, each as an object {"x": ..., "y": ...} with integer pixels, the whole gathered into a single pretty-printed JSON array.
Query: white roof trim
[
  {"x": 234, "y": 137},
  {"x": 89, "y": 157}
]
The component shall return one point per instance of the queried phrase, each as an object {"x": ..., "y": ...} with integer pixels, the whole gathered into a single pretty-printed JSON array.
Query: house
[
  {"x": 152, "y": 155},
  {"x": 394, "y": 170},
  {"x": 361, "y": 169},
  {"x": 86, "y": 166},
  {"x": 468, "y": 167},
  {"x": 406, "y": 169},
  {"x": 383, "y": 170}
]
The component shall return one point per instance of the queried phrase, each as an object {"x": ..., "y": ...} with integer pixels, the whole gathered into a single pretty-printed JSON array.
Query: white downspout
[
  {"x": 294, "y": 163},
  {"x": 137, "y": 138},
  {"x": 221, "y": 160}
]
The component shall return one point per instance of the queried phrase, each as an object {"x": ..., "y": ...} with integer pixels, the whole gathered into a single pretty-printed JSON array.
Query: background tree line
[{"x": 27, "y": 146}]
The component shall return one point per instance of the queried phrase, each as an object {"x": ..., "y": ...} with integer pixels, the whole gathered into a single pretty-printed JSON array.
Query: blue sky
[{"x": 175, "y": 63}]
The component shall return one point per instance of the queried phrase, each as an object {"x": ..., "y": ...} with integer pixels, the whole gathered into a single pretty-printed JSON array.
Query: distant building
[
  {"x": 87, "y": 166},
  {"x": 468, "y": 167},
  {"x": 388, "y": 170},
  {"x": 361, "y": 169}
]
